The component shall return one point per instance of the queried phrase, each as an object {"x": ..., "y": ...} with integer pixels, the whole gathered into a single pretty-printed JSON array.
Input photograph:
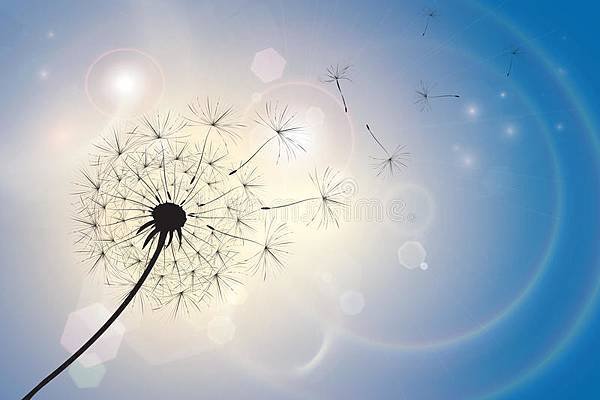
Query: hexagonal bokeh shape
[
  {"x": 82, "y": 324},
  {"x": 268, "y": 65},
  {"x": 352, "y": 302},
  {"x": 87, "y": 377},
  {"x": 411, "y": 254}
]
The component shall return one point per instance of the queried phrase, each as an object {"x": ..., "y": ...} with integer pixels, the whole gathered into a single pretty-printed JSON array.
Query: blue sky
[{"x": 503, "y": 184}]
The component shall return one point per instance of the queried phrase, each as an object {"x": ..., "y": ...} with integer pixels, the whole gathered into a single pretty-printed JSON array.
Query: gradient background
[{"x": 502, "y": 190}]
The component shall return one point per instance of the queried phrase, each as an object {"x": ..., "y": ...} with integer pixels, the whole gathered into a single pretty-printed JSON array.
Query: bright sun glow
[{"x": 125, "y": 85}]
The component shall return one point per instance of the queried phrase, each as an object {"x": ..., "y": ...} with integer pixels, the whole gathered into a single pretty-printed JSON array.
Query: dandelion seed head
[
  {"x": 331, "y": 197},
  {"x": 269, "y": 259},
  {"x": 392, "y": 163},
  {"x": 281, "y": 121},
  {"x": 430, "y": 12},
  {"x": 162, "y": 221},
  {"x": 138, "y": 187},
  {"x": 337, "y": 72},
  {"x": 214, "y": 115}
]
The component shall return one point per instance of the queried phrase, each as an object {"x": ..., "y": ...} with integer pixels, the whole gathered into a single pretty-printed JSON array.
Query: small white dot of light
[
  {"x": 467, "y": 161},
  {"x": 43, "y": 74},
  {"x": 424, "y": 266},
  {"x": 510, "y": 131},
  {"x": 50, "y": 34},
  {"x": 503, "y": 94},
  {"x": 559, "y": 126},
  {"x": 472, "y": 111}
]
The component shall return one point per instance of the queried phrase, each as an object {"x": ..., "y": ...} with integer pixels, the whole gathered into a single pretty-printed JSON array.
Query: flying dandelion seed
[
  {"x": 269, "y": 258},
  {"x": 424, "y": 96},
  {"x": 162, "y": 220},
  {"x": 335, "y": 73},
  {"x": 514, "y": 52},
  {"x": 392, "y": 162},
  {"x": 430, "y": 14},
  {"x": 286, "y": 132},
  {"x": 330, "y": 196}
]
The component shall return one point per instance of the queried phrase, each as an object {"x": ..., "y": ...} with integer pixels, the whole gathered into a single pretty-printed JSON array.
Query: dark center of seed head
[{"x": 168, "y": 217}]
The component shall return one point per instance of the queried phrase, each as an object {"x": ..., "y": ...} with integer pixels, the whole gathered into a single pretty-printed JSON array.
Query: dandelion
[
  {"x": 162, "y": 220},
  {"x": 287, "y": 133},
  {"x": 330, "y": 196},
  {"x": 424, "y": 96},
  {"x": 116, "y": 144},
  {"x": 270, "y": 258},
  {"x": 392, "y": 162},
  {"x": 335, "y": 73},
  {"x": 514, "y": 52},
  {"x": 216, "y": 117},
  {"x": 430, "y": 13},
  {"x": 251, "y": 182},
  {"x": 159, "y": 127}
]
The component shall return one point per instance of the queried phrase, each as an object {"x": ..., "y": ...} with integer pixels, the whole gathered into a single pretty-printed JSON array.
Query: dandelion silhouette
[
  {"x": 215, "y": 117},
  {"x": 392, "y": 162},
  {"x": 335, "y": 73},
  {"x": 514, "y": 52},
  {"x": 164, "y": 221},
  {"x": 430, "y": 14},
  {"x": 282, "y": 123},
  {"x": 270, "y": 254},
  {"x": 329, "y": 197},
  {"x": 424, "y": 96}
]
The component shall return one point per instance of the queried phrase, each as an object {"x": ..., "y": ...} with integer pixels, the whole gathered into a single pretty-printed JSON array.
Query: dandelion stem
[
  {"x": 218, "y": 197},
  {"x": 376, "y": 140},
  {"x": 161, "y": 242},
  {"x": 510, "y": 65},
  {"x": 194, "y": 178},
  {"x": 290, "y": 204},
  {"x": 253, "y": 155},
  {"x": 201, "y": 156},
  {"x": 212, "y": 228},
  {"x": 337, "y": 82},
  {"x": 443, "y": 95},
  {"x": 426, "y": 27}
]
